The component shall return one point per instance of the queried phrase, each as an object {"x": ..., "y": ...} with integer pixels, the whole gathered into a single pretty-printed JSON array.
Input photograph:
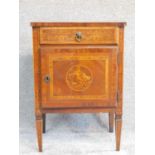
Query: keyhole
[{"x": 46, "y": 79}]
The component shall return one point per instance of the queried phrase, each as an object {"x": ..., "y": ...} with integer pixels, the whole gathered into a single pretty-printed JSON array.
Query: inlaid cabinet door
[{"x": 78, "y": 76}]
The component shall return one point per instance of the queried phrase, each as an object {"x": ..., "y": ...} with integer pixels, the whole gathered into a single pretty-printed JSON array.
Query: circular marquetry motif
[{"x": 79, "y": 78}]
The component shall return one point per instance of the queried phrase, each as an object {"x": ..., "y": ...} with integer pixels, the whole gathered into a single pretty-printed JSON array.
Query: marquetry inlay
[{"x": 79, "y": 78}]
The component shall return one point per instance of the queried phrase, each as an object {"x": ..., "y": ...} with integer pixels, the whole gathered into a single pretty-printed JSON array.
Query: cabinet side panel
[
  {"x": 120, "y": 71},
  {"x": 36, "y": 65}
]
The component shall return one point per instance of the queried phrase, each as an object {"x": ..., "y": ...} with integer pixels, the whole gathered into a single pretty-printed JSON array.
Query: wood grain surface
[{"x": 78, "y": 68}]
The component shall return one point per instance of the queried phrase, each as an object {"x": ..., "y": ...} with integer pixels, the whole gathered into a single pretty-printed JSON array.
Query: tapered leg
[
  {"x": 111, "y": 121},
  {"x": 118, "y": 127},
  {"x": 39, "y": 128},
  {"x": 44, "y": 123}
]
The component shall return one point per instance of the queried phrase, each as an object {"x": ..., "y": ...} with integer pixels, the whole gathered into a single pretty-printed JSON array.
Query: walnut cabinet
[{"x": 78, "y": 68}]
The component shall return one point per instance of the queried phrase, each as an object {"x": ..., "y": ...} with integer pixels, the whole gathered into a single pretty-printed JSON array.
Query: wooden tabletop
[{"x": 48, "y": 24}]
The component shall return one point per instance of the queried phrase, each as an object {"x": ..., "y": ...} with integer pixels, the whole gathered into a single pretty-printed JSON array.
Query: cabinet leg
[
  {"x": 39, "y": 128},
  {"x": 44, "y": 123},
  {"x": 111, "y": 121},
  {"x": 118, "y": 127}
]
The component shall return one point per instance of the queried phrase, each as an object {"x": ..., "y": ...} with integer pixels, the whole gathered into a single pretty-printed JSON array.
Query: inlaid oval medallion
[{"x": 79, "y": 78}]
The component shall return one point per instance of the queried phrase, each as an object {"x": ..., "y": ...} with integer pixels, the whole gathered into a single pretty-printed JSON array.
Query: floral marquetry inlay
[{"x": 79, "y": 78}]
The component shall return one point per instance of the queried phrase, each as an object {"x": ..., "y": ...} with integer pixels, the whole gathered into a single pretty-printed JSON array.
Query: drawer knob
[
  {"x": 47, "y": 78},
  {"x": 78, "y": 36}
]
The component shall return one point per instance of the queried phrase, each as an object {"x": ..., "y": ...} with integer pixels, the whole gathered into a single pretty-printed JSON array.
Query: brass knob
[
  {"x": 47, "y": 78},
  {"x": 78, "y": 36}
]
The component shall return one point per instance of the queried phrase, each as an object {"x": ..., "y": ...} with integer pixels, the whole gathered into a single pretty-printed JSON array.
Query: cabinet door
[{"x": 78, "y": 76}]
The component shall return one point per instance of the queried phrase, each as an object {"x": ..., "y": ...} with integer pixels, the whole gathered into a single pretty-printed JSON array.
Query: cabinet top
[{"x": 59, "y": 24}]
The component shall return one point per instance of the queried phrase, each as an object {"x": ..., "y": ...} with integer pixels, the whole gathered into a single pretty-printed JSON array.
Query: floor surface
[{"x": 75, "y": 134}]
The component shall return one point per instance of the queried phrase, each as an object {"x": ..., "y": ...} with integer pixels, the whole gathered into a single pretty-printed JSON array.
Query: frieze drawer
[{"x": 79, "y": 35}]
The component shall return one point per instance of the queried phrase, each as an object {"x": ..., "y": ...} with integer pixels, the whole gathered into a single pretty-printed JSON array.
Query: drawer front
[
  {"x": 79, "y": 35},
  {"x": 78, "y": 77}
]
